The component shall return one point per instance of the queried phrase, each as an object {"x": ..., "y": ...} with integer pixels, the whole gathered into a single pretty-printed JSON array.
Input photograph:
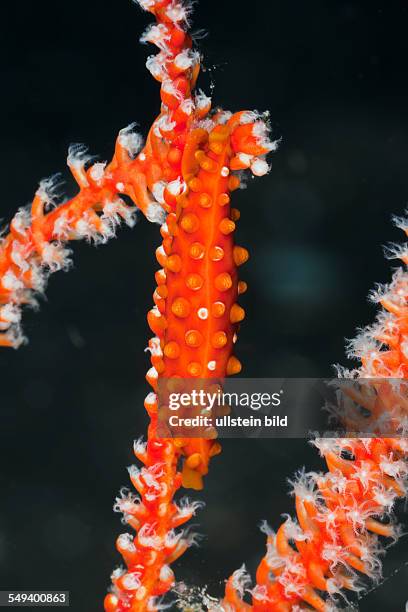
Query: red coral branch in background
[{"x": 342, "y": 515}]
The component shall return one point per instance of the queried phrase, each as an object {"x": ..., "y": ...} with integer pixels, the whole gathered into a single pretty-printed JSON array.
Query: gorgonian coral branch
[
  {"x": 343, "y": 515},
  {"x": 196, "y": 314},
  {"x": 182, "y": 178}
]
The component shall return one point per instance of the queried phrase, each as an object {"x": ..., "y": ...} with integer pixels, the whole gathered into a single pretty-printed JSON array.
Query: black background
[{"x": 333, "y": 75}]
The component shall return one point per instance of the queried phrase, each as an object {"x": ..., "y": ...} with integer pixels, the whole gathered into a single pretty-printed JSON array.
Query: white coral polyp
[{"x": 130, "y": 140}]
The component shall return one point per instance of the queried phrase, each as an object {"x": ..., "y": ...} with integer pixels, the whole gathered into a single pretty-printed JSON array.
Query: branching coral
[
  {"x": 344, "y": 514},
  {"x": 182, "y": 178},
  {"x": 159, "y": 177}
]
